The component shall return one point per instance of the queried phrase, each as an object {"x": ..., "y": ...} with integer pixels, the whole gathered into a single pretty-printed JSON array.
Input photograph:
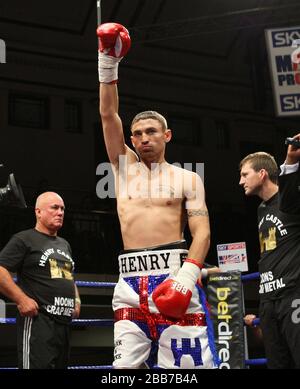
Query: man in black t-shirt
[
  {"x": 46, "y": 295},
  {"x": 279, "y": 265}
]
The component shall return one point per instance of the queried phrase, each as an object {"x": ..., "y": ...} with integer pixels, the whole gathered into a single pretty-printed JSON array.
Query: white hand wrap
[
  {"x": 188, "y": 275},
  {"x": 204, "y": 273},
  {"x": 107, "y": 68}
]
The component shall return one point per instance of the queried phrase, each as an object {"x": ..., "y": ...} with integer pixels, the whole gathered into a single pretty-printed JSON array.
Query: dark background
[{"x": 203, "y": 64}]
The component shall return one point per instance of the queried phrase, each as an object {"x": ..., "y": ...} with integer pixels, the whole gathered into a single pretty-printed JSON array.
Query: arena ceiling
[{"x": 210, "y": 27}]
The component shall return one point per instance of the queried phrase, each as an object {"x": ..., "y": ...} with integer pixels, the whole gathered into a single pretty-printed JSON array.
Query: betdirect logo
[
  {"x": 2, "y": 51},
  {"x": 283, "y": 38},
  {"x": 224, "y": 324}
]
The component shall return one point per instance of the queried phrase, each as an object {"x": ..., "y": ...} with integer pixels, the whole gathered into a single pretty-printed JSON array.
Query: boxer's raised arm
[
  {"x": 114, "y": 43},
  {"x": 111, "y": 122}
]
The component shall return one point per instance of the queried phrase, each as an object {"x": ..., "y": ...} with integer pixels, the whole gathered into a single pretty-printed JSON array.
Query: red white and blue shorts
[{"x": 142, "y": 335}]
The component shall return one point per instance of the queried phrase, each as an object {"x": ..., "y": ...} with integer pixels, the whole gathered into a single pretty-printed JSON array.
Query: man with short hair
[
  {"x": 46, "y": 295},
  {"x": 279, "y": 265},
  {"x": 159, "y": 318}
]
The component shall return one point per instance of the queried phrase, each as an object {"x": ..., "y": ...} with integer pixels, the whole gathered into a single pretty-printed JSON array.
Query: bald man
[{"x": 46, "y": 295}]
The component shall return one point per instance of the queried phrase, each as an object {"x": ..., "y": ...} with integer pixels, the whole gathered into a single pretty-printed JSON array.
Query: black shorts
[
  {"x": 280, "y": 325},
  {"x": 43, "y": 343}
]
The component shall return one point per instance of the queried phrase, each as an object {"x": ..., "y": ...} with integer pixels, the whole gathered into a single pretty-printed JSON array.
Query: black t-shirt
[
  {"x": 279, "y": 235},
  {"x": 44, "y": 268}
]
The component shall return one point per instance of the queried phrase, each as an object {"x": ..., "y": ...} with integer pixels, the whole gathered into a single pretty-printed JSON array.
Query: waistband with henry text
[{"x": 156, "y": 262}]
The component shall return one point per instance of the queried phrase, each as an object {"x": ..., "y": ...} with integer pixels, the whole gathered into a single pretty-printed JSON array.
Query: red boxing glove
[
  {"x": 114, "y": 42},
  {"x": 114, "y": 39},
  {"x": 172, "y": 297}
]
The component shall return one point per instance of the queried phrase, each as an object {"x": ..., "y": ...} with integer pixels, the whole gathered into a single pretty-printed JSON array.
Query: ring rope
[
  {"x": 95, "y": 284},
  {"x": 109, "y": 322},
  {"x": 75, "y": 322},
  {"x": 250, "y": 276},
  {"x": 256, "y": 361}
]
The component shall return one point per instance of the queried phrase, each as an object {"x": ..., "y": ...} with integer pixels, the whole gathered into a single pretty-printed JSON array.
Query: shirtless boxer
[{"x": 160, "y": 314}]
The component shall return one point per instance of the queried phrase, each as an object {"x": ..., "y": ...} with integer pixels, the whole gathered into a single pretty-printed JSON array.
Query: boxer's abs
[{"x": 147, "y": 222}]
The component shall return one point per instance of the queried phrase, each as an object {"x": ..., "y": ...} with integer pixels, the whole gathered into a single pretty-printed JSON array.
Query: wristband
[
  {"x": 190, "y": 260},
  {"x": 77, "y": 301},
  {"x": 108, "y": 68},
  {"x": 204, "y": 273},
  {"x": 188, "y": 275}
]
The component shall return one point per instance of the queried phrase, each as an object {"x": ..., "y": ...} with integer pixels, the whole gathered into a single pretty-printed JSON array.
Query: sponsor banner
[
  {"x": 283, "y": 45},
  {"x": 232, "y": 256},
  {"x": 225, "y": 296}
]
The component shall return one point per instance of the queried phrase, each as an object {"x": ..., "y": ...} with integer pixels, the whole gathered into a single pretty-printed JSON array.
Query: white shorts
[{"x": 145, "y": 337}]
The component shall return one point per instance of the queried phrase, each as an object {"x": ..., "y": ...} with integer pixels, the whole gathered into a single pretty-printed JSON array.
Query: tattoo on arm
[{"x": 197, "y": 212}]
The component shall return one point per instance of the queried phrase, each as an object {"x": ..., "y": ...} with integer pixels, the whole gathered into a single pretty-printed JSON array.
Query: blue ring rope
[{"x": 109, "y": 322}]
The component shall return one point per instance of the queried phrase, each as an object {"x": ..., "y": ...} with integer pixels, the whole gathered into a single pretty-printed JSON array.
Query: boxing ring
[{"x": 110, "y": 322}]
